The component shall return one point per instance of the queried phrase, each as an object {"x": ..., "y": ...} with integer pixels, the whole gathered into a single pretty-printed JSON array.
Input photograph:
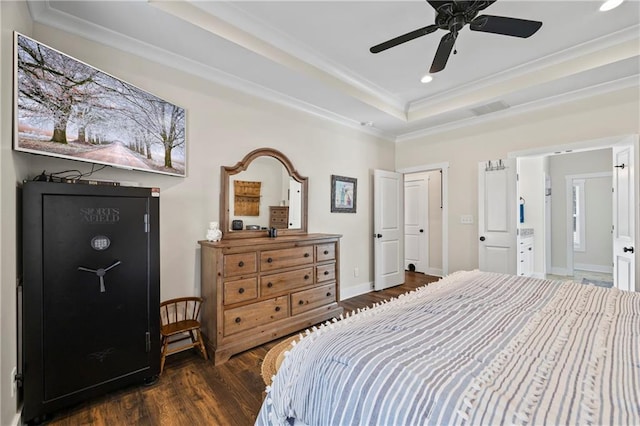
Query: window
[{"x": 579, "y": 219}]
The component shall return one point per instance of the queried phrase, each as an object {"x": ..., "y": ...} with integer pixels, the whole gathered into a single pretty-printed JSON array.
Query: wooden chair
[{"x": 179, "y": 320}]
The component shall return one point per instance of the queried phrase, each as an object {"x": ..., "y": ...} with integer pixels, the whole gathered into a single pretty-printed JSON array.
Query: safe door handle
[{"x": 100, "y": 272}]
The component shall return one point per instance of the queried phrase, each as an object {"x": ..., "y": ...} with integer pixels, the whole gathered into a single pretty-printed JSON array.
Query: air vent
[{"x": 489, "y": 108}]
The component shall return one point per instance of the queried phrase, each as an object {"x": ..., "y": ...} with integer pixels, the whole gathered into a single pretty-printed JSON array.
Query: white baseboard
[
  {"x": 593, "y": 268},
  {"x": 537, "y": 275},
  {"x": 355, "y": 290}
]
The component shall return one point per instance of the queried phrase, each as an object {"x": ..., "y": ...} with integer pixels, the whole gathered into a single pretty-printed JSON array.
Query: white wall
[
  {"x": 599, "y": 242},
  {"x": 13, "y": 15},
  {"x": 616, "y": 113},
  {"x": 222, "y": 127}
]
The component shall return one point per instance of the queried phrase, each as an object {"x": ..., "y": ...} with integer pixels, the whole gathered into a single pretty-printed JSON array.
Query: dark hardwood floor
[{"x": 192, "y": 391}]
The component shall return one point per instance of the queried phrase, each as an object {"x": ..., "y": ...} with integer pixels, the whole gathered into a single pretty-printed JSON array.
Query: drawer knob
[
  {"x": 301, "y": 302},
  {"x": 269, "y": 284},
  {"x": 241, "y": 264},
  {"x": 238, "y": 320},
  {"x": 328, "y": 293},
  {"x": 326, "y": 272},
  {"x": 306, "y": 255},
  {"x": 241, "y": 290},
  {"x": 306, "y": 277},
  {"x": 326, "y": 252},
  {"x": 277, "y": 308},
  {"x": 269, "y": 260}
]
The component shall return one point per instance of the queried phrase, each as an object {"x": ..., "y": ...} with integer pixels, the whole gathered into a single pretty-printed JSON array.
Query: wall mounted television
[{"x": 65, "y": 108}]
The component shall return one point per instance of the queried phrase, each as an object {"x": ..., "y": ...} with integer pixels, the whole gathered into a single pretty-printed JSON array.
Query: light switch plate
[{"x": 467, "y": 219}]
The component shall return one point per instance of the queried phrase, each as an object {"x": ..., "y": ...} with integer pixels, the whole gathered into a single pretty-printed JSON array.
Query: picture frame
[
  {"x": 68, "y": 109},
  {"x": 344, "y": 193}
]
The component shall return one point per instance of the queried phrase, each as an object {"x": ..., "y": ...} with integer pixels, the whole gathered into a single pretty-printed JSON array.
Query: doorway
[
  {"x": 569, "y": 234},
  {"x": 425, "y": 216}
]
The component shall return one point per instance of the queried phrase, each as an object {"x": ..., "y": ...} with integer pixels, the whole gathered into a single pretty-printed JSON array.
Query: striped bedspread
[{"x": 474, "y": 348}]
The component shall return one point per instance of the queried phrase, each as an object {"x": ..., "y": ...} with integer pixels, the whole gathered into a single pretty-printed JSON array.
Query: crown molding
[
  {"x": 558, "y": 99},
  {"x": 43, "y": 13},
  {"x": 208, "y": 22},
  {"x": 234, "y": 15}
]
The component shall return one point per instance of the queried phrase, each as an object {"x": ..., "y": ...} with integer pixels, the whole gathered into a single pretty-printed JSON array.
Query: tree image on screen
[{"x": 69, "y": 109}]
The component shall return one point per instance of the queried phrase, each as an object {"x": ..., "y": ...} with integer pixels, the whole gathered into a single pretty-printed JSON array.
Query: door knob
[
  {"x": 482, "y": 238},
  {"x": 377, "y": 235},
  {"x": 628, "y": 249},
  {"x": 422, "y": 230}
]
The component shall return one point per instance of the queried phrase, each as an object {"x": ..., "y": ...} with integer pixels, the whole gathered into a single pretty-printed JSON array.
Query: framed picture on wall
[{"x": 343, "y": 194}]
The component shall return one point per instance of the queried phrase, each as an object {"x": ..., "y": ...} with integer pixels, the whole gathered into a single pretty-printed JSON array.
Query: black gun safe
[{"x": 91, "y": 292}]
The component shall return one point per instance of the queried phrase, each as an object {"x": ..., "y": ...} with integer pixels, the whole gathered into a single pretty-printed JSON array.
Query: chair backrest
[{"x": 180, "y": 309}]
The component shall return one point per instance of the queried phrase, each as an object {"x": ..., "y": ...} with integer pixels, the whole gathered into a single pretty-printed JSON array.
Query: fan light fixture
[
  {"x": 426, "y": 79},
  {"x": 610, "y": 4}
]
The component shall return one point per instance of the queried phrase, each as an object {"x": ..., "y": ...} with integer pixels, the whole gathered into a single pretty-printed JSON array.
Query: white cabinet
[{"x": 525, "y": 254}]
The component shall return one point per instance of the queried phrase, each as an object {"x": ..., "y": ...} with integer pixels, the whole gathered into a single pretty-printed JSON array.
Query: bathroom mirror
[{"x": 261, "y": 191}]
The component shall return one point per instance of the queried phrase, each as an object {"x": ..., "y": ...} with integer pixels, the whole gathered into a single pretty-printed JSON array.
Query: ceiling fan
[{"x": 452, "y": 16}]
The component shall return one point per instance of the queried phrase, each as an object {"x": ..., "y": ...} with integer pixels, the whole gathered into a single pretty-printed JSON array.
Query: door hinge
[
  {"x": 147, "y": 337},
  {"x": 146, "y": 223}
]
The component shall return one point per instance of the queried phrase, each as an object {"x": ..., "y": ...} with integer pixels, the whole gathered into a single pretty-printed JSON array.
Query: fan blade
[
  {"x": 443, "y": 52},
  {"x": 506, "y": 26},
  {"x": 403, "y": 38}
]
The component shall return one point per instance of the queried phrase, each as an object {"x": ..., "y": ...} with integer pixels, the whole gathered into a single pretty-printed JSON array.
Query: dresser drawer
[
  {"x": 284, "y": 258},
  {"x": 277, "y": 283},
  {"x": 325, "y": 272},
  {"x": 241, "y": 263},
  {"x": 325, "y": 252},
  {"x": 306, "y": 300},
  {"x": 279, "y": 222},
  {"x": 254, "y": 315},
  {"x": 240, "y": 290}
]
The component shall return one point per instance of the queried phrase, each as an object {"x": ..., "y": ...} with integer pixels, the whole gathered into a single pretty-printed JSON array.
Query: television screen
[{"x": 68, "y": 109}]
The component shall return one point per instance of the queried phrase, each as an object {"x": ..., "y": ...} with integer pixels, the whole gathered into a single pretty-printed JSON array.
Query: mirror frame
[{"x": 226, "y": 171}]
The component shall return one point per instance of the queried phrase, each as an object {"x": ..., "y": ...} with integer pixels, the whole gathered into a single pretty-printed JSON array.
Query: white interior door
[
  {"x": 497, "y": 216},
  {"x": 388, "y": 229},
  {"x": 416, "y": 229},
  {"x": 624, "y": 217}
]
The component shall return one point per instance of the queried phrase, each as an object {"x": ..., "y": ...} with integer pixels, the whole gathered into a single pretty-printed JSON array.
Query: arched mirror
[{"x": 262, "y": 191}]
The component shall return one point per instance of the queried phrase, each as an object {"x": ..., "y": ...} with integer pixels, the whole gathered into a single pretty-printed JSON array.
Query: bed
[{"x": 473, "y": 348}]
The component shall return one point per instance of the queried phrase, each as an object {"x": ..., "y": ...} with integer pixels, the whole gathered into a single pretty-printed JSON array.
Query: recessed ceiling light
[
  {"x": 610, "y": 4},
  {"x": 366, "y": 123},
  {"x": 426, "y": 79}
]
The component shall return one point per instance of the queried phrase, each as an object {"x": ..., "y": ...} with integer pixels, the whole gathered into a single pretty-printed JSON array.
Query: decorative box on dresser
[{"x": 259, "y": 289}]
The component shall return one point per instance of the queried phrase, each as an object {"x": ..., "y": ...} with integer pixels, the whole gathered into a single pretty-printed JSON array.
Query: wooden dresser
[
  {"x": 279, "y": 217},
  {"x": 259, "y": 289}
]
